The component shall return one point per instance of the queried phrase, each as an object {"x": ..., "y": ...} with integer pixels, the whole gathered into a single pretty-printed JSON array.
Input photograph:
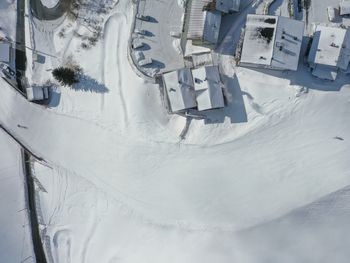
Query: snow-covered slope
[{"x": 280, "y": 144}]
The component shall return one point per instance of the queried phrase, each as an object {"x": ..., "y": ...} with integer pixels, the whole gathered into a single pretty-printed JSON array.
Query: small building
[
  {"x": 329, "y": 52},
  {"x": 180, "y": 90},
  {"x": 36, "y": 93},
  {"x": 272, "y": 42},
  {"x": 227, "y": 6},
  {"x": 344, "y": 7},
  {"x": 208, "y": 88},
  {"x": 5, "y": 49},
  {"x": 203, "y": 23}
]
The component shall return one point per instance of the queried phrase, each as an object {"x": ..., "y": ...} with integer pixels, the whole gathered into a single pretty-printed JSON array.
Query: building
[
  {"x": 5, "y": 49},
  {"x": 329, "y": 52},
  {"x": 203, "y": 23},
  {"x": 179, "y": 87},
  {"x": 36, "y": 93},
  {"x": 344, "y": 7},
  {"x": 271, "y": 42},
  {"x": 208, "y": 88},
  {"x": 227, "y": 6}
]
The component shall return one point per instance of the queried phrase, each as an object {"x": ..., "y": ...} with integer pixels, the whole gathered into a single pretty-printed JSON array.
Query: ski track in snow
[{"x": 113, "y": 76}]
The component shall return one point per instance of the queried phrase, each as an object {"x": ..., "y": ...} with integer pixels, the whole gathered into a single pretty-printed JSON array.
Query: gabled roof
[
  {"x": 203, "y": 24},
  {"x": 272, "y": 41},
  {"x": 208, "y": 87},
  {"x": 179, "y": 87},
  {"x": 227, "y": 6},
  {"x": 330, "y": 47}
]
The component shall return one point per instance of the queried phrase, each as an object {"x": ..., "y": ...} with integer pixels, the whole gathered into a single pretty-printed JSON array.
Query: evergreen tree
[{"x": 66, "y": 76}]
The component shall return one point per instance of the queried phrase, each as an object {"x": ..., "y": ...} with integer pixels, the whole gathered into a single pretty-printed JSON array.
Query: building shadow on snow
[
  {"x": 54, "y": 97},
  {"x": 235, "y": 108}
]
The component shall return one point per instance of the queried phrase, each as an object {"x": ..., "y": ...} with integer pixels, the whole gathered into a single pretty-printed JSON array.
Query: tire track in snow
[{"x": 112, "y": 58}]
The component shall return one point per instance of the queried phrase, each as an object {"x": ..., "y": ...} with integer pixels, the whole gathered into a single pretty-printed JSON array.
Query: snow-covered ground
[
  {"x": 15, "y": 242},
  {"x": 125, "y": 188}
]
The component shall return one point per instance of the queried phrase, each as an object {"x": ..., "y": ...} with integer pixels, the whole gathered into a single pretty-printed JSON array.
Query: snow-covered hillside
[{"x": 258, "y": 181}]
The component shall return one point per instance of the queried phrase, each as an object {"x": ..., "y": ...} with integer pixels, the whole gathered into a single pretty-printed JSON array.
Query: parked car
[
  {"x": 145, "y": 62},
  {"x": 140, "y": 31},
  {"x": 143, "y": 17},
  {"x": 8, "y": 71},
  {"x": 137, "y": 43}
]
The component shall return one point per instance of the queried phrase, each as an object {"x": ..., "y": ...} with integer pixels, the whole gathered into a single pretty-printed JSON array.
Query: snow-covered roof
[
  {"x": 226, "y": 6},
  {"x": 179, "y": 87},
  {"x": 208, "y": 87},
  {"x": 204, "y": 24},
  {"x": 5, "y": 52},
  {"x": 344, "y": 7},
  {"x": 35, "y": 93},
  {"x": 331, "y": 47},
  {"x": 272, "y": 41}
]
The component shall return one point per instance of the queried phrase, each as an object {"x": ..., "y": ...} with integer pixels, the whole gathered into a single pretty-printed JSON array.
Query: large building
[
  {"x": 199, "y": 88},
  {"x": 329, "y": 52},
  {"x": 208, "y": 88},
  {"x": 204, "y": 23},
  {"x": 179, "y": 87},
  {"x": 272, "y": 42}
]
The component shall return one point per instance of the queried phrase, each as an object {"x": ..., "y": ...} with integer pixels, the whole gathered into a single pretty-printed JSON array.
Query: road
[
  {"x": 20, "y": 59},
  {"x": 41, "y": 12}
]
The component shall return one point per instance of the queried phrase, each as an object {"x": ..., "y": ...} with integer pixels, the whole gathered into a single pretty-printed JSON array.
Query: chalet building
[
  {"x": 199, "y": 88},
  {"x": 208, "y": 88},
  {"x": 272, "y": 42},
  {"x": 204, "y": 20},
  {"x": 329, "y": 52},
  {"x": 204, "y": 23},
  {"x": 179, "y": 88}
]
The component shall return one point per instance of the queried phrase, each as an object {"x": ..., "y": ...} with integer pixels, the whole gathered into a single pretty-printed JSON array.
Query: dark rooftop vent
[
  {"x": 271, "y": 21},
  {"x": 266, "y": 33}
]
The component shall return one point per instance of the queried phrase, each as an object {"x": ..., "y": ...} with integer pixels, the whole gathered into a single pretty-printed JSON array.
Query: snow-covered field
[
  {"x": 15, "y": 232},
  {"x": 257, "y": 182}
]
